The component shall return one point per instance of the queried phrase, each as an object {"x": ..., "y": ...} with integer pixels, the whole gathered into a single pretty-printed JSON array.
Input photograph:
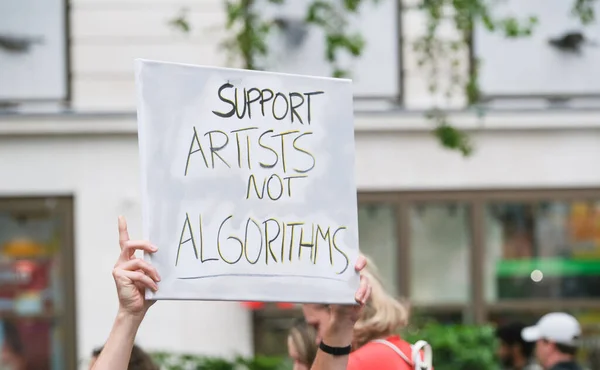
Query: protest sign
[{"x": 248, "y": 184}]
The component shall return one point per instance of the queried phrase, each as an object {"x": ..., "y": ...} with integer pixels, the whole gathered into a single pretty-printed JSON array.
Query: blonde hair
[
  {"x": 383, "y": 315},
  {"x": 304, "y": 338}
]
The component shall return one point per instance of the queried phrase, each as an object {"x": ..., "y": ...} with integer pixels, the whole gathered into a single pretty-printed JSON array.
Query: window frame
[
  {"x": 62, "y": 209},
  {"x": 476, "y": 309},
  {"x": 67, "y": 98}
]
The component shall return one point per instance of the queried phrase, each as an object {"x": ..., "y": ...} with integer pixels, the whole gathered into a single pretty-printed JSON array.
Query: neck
[{"x": 557, "y": 358}]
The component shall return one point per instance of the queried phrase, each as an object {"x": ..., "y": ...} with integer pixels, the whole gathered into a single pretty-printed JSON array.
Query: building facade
[{"x": 511, "y": 231}]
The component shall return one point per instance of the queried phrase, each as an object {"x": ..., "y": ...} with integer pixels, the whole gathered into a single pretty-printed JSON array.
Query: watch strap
[{"x": 335, "y": 351}]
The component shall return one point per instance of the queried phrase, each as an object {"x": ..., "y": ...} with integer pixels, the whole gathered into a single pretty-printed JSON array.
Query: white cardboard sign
[{"x": 248, "y": 184}]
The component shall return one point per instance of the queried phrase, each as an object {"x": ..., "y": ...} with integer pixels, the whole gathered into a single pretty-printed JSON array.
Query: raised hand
[
  {"x": 351, "y": 313},
  {"x": 343, "y": 317},
  {"x": 133, "y": 275}
]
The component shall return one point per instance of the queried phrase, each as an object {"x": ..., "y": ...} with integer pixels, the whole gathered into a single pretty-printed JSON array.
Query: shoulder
[{"x": 375, "y": 355}]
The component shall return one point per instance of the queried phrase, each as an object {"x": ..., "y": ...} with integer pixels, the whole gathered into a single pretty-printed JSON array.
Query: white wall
[
  {"x": 504, "y": 159},
  {"x": 101, "y": 171},
  {"x": 102, "y": 175},
  {"x": 107, "y": 35}
]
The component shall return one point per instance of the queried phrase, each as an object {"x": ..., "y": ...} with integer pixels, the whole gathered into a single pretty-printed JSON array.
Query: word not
[
  {"x": 276, "y": 241},
  {"x": 276, "y": 145},
  {"x": 274, "y": 192},
  {"x": 282, "y": 105}
]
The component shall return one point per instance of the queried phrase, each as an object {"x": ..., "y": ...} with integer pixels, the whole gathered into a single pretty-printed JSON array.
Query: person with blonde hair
[
  {"x": 133, "y": 275},
  {"x": 302, "y": 348},
  {"x": 375, "y": 344}
]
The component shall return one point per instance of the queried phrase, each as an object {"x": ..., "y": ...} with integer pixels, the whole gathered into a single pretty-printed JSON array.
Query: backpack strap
[
  {"x": 395, "y": 349},
  {"x": 417, "y": 361},
  {"x": 426, "y": 361}
]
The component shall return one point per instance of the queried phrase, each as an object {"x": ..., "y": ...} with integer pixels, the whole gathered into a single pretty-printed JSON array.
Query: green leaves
[
  {"x": 180, "y": 21},
  {"x": 332, "y": 19},
  {"x": 458, "y": 347},
  {"x": 170, "y": 361},
  {"x": 449, "y": 136},
  {"x": 584, "y": 10},
  {"x": 442, "y": 59}
]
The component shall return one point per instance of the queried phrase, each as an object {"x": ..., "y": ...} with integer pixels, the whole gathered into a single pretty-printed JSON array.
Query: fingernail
[{"x": 154, "y": 248}]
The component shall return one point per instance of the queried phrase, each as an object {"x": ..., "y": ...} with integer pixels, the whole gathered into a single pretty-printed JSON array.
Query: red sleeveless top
[{"x": 378, "y": 356}]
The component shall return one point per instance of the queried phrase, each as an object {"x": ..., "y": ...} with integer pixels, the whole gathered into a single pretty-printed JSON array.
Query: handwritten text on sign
[{"x": 249, "y": 177}]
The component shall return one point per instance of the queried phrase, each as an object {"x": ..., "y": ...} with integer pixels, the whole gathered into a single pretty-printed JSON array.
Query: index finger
[{"x": 123, "y": 233}]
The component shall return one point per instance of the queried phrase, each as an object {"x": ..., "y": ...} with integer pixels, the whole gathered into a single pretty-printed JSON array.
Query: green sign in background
[{"x": 548, "y": 266}]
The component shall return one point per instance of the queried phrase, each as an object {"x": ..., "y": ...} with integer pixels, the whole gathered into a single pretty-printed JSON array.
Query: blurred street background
[{"x": 477, "y": 161}]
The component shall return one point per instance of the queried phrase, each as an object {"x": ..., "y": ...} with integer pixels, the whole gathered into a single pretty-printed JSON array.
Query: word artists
[{"x": 248, "y": 184}]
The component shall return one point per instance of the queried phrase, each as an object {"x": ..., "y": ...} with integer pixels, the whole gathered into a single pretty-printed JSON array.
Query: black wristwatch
[{"x": 335, "y": 351}]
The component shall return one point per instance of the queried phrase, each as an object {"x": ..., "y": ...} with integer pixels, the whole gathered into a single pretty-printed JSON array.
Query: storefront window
[
  {"x": 32, "y": 295},
  {"x": 377, "y": 233},
  {"x": 440, "y": 248},
  {"x": 543, "y": 250}
]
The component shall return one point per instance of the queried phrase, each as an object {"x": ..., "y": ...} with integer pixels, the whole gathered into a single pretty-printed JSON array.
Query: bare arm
[
  {"x": 117, "y": 350},
  {"x": 132, "y": 276},
  {"x": 334, "y": 338},
  {"x": 340, "y": 331}
]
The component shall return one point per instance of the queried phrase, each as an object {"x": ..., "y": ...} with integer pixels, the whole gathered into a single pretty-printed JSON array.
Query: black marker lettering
[
  {"x": 214, "y": 149},
  {"x": 287, "y": 106},
  {"x": 305, "y": 152},
  {"x": 268, "y": 148},
  {"x": 263, "y": 100},
  {"x": 339, "y": 250},
  {"x": 308, "y": 100},
  {"x": 186, "y": 226},
  {"x": 294, "y": 107},
  {"x": 269, "y": 241},
  {"x": 233, "y": 109},
  {"x": 231, "y": 237},
  {"x": 195, "y": 140}
]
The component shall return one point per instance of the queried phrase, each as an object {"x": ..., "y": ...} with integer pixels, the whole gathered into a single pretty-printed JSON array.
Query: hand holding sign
[{"x": 133, "y": 275}]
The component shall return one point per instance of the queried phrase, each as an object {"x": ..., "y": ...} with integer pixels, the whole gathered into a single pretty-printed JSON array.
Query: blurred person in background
[
  {"x": 556, "y": 338},
  {"x": 375, "y": 344},
  {"x": 513, "y": 351},
  {"x": 302, "y": 346},
  {"x": 134, "y": 275},
  {"x": 139, "y": 359}
]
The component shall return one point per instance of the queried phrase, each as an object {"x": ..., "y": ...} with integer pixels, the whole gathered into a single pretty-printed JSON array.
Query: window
[
  {"x": 33, "y": 51},
  {"x": 36, "y": 284},
  {"x": 439, "y": 249},
  {"x": 547, "y": 250},
  {"x": 377, "y": 233},
  {"x": 529, "y": 66},
  {"x": 298, "y": 47},
  {"x": 488, "y": 256}
]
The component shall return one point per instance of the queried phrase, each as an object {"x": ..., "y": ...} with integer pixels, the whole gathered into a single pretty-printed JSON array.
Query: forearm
[
  {"x": 117, "y": 349},
  {"x": 334, "y": 338}
]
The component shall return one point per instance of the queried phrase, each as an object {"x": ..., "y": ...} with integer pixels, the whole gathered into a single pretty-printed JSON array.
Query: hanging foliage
[{"x": 248, "y": 31}]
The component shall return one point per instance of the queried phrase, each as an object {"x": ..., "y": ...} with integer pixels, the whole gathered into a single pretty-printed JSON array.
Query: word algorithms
[{"x": 268, "y": 241}]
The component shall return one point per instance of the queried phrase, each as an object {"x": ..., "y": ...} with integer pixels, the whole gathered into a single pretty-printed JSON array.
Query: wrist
[
  {"x": 338, "y": 335},
  {"x": 129, "y": 319}
]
